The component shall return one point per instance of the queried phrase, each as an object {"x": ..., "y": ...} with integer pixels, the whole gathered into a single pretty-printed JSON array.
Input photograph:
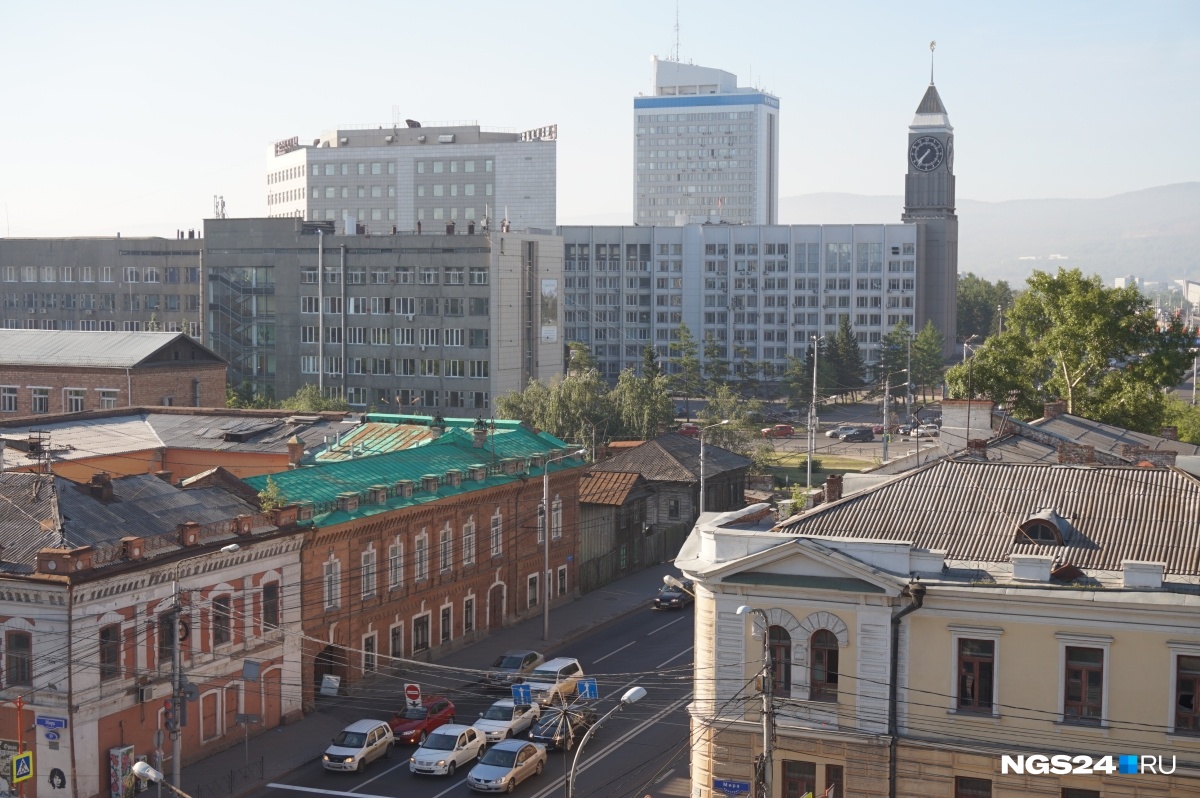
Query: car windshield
[
  {"x": 550, "y": 725},
  {"x": 441, "y": 742},
  {"x": 416, "y": 713},
  {"x": 540, "y": 675},
  {"x": 508, "y": 661},
  {"x": 350, "y": 740},
  {"x": 499, "y": 757},
  {"x": 498, "y": 713},
  {"x": 668, "y": 591}
]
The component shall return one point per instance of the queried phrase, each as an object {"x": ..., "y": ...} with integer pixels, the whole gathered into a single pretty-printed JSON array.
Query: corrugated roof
[
  {"x": 972, "y": 510},
  {"x": 28, "y": 518},
  {"x": 607, "y": 487},
  {"x": 673, "y": 458},
  {"x": 75, "y": 348},
  {"x": 1107, "y": 438},
  {"x": 931, "y": 103}
]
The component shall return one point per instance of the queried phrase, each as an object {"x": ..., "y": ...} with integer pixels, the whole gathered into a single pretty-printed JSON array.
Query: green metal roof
[{"x": 455, "y": 450}]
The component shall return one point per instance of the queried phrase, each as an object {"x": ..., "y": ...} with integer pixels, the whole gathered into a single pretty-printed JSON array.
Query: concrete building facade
[
  {"x": 705, "y": 149},
  {"x": 401, "y": 177}
]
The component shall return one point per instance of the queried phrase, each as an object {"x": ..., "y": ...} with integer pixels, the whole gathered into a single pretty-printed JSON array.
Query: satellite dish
[{"x": 412, "y": 123}]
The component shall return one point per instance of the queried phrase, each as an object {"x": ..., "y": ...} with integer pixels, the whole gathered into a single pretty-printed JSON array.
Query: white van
[{"x": 359, "y": 744}]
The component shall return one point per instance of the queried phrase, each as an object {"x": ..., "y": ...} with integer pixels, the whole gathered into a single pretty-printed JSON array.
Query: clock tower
[{"x": 929, "y": 204}]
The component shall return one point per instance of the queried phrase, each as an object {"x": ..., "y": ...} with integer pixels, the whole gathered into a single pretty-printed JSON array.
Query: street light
[
  {"x": 887, "y": 392},
  {"x": 671, "y": 581},
  {"x": 764, "y": 776},
  {"x": 812, "y": 410},
  {"x": 146, "y": 773},
  {"x": 177, "y": 672},
  {"x": 970, "y": 385},
  {"x": 544, "y": 513},
  {"x": 632, "y": 696},
  {"x": 710, "y": 426}
]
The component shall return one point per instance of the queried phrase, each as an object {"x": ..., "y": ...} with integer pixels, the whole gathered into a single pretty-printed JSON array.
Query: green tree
[
  {"x": 642, "y": 405},
  {"x": 650, "y": 367},
  {"x": 309, "y": 400},
  {"x": 894, "y": 355},
  {"x": 577, "y": 407},
  {"x": 716, "y": 363},
  {"x": 244, "y": 397},
  {"x": 747, "y": 372},
  {"x": 928, "y": 365},
  {"x": 980, "y": 304},
  {"x": 740, "y": 435},
  {"x": 579, "y": 358},
  {"x": 1184, "y": 417},
  {"x": 271, "y": 497},
  {"x": 1100, "y": 349},
  {"x": 685, "y": 354},
  {"x": 847, "y": 360}
]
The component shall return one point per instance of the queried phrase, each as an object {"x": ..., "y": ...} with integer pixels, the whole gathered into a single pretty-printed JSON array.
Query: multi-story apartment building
[
  {"x": 767, "y": 290},
  {"x": 426, "y": 321},
  {"x": 378, "y": 178},
  {"x": 704, "y": 148}
]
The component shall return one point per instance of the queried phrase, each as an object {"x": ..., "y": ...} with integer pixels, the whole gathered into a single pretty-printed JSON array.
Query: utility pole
[
  {"x": 812, "y": 412},
  {"x": 764, "y": 766},
  {"x": 908, "y": 398},
  {"x": 174, "y": 717}
]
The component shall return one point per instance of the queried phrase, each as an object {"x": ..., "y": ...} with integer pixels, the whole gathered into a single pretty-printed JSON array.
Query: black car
[
  {"x": 563, "y": 727},
  {"x": 861, "y": 435},
  {"x": 673, "y": 598}
]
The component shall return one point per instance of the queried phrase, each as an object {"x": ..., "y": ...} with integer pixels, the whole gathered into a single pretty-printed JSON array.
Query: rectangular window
[
  {"x": 420, "y": 635},
  {"x": 976, "y": 674},
  {"x": 166, "y": 639},
  {"x": 270, "y": 605},
  {"x": 799, "y": 778},
  {"x": 18, "y": 659},
  {"x": 1187, "y": 687},
  {"x": 972, "y": 788},
  {"x": 835, "y": 775},
  {"x": 478, "y": 275},
  {"x": 110, "y": 652},
  {"x": 673, "y": 509},
  {"x": 421, "y": 560},
  {"x": 41, "y": 400},
  {"x": 1068, "y": 792},
  {"x": 531, "y": 591},
  {"x": 562, "y": 580},
  {"x": 469, "y": 615},
  {"x": 1084, "y": 696},
  {"x": 446, "y": 549},
  {"x": 369, "y": 659},
  {"x": 73, "y": 399},
  {"x": 331, "y": 583},
  {"x": 220, "y": 620},
  {"x": 447, "y": 624},
  {"x": 108, "y": 398},
  {"x": 8, "y": 399},
  {"x": 368, "y": 571},
  {"x": 395, "y": 565},
  {"x": 497, "y": 536}
]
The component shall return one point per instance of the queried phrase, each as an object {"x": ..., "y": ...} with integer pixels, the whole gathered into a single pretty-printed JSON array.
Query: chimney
[
  {"x": 295, "y": 449},
  {"x": 833, "y": 488},
  {"x": 165, "y": 476},
  {"x": 1076, "y": 453},
  {"x": 1155, "y": 458},
  {"x": 243, "y": 525},
  {"x": 480, "y": 437},
  {"x": 187, "y": 533},
  {"x": 100, "y": 488},
  {"x": 1031, "y": 567},
  {"x": 1170, "y": 433},
  {"x": 1054, "y": 409},
  {"x": 977, "y": 447},
  {"x": 429, "y": 482},
  {"x": 1138, "y": 574}
]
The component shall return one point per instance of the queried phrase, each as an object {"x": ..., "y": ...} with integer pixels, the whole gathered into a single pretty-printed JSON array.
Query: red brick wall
[{"x": 149, "y": 385}]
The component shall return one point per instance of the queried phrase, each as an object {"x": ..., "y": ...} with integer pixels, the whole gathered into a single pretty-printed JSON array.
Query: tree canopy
[
  {"x": 980, "y": 305},
  {"x": 1101, "y": 349}
]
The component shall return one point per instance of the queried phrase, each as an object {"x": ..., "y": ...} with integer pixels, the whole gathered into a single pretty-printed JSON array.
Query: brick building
[{"x": 59, "y": 371}]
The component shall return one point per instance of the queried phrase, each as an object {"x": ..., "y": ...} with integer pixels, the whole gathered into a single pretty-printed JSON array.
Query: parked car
[
  {"x": 673, "y": 598},
  {"x": 555, "y": 681},
  {"x": 562, "y": 728},
  {"x": 359, "y": 744},
  {"x": 447, "y": 749},
  {"x": 839, "y": 431},
  {"x": 906, "y": 429},
  {"x": 860, "y": 435},
  {"x": 689, "y": 430},
  {"x": 877, "y": 429},
  {"x": 779, "y": 431},
  {"x": 505, "y": 719},
  {"x": 506, "y": 765},
  {"x": 928, "y": 431},
  {"x": 414, "y": 724},
  {"x": 511, "y": 668}
]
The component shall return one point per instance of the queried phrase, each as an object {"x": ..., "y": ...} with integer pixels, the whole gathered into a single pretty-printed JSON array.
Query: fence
[
  {"x": 643, "y": 552},
  {"x": 237, "y": 780}
]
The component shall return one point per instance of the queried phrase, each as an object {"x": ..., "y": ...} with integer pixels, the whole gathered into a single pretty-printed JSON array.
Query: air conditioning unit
[
  {"x": 88, "y": 312},
  {"x": 145, "y": 693},
  {"x": 389, "y": 139},
  {"x": 409, "y": 316}
]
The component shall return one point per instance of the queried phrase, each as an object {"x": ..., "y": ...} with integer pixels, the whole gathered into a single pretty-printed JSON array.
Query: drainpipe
[
  {"x": 916, "y": 591},
  {"x": 320, "y": 311},
  {"x": 345, "y": 310}
]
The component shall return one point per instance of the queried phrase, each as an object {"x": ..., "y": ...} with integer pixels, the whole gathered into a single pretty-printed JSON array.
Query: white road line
[
  {"x": 403, "y": 764},
  {"x": 664, "y": 776},
  {"x": 661, "y": 665},
  {"x": 609, "y": 654},
  {"x": 279, "y": 786},
  {"x": 664, "y": 626}
]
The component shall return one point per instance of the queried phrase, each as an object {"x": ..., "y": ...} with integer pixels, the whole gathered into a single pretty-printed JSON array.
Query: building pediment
[{"x": 806, "y": 564}]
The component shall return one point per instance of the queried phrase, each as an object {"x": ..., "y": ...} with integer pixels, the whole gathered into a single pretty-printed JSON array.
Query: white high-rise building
[
  {"x": 392, "y": 178},
  {"x": 705, "y": 149}
]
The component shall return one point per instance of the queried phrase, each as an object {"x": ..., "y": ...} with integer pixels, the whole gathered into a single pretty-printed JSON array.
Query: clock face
[
  {"x": 926, "y": 154},
  {"x": 950, "y": 154}
]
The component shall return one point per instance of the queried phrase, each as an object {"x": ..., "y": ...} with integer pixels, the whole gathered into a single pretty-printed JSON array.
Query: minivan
[
  {"x": 554, "y": 680},
  {"x": 358, "y": 744}
]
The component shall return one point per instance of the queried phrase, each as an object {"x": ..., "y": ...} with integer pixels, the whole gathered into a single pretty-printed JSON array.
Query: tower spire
[{"x": 932, "y": 47}]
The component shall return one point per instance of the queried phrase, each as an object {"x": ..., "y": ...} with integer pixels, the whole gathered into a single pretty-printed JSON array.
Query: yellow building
[{"x": 950, "y": 631}]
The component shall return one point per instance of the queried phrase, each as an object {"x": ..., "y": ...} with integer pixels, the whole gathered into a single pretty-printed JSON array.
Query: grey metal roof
[
  {"x": 1015, "y": 449},
  {"x": 931, "y": 103},
  {"x": 28, "y": 518},
  {"x": 75, "y": 348},
  {"x": 1107, "y": 438},
  {"x": 235, "y": 433},
  {"x": 673, "y": 458},
  {"x": 972, "y": 510}
]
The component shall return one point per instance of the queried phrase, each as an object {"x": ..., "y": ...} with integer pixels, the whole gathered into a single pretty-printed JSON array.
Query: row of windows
[
  {"x": 105, "y": 274},
  {"x": 192, "y": 328},
  {"x": 73, "y": 400},
  {"x": 400, "y": 367},
  {"x": 403, "y": 275},
  {"x": 45, "y": 301},
  {"x": 397, "y": 336}
]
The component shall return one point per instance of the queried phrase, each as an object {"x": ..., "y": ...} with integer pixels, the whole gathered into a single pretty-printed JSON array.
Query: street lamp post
[
  {"x": 763, "y": 779},
  {"x": 544, "y": 513},
  {"x": 970, "y": 386},
  {"x": 632, "y": 696},
  {"x": 146, "y": 773},
  {"x": 887, "y": 393},
  {"x": 710, "y": 426},
  {"x": 812, "y": 411}
]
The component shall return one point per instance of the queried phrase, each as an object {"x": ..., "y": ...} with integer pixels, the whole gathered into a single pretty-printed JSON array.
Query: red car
[
  {"x": 414, "y": 724},
  {"x": 779, "y": 431},
  {"x": 689, "y": 430}
]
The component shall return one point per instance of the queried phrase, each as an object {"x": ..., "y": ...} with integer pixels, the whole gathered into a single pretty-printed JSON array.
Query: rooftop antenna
[
  {"x": 932, "y": 47},
  {"x": 676, "y": 58},
  {"x": 218, "y": 206}
]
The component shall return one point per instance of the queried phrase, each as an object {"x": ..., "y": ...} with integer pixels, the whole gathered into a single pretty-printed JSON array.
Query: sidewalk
[{"x": 236, "y": 771}]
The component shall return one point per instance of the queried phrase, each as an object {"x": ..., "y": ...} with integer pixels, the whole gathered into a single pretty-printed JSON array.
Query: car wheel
[
  {"x": 450, "y": 768},
  {"x": 537, "y": 771},
  {"x": 511, "y": 784},
  {"x": 422, "y": 738},
  {"x": 362, "y": 765},
  {"x": 482, "y": 748},
  {"x": 508, "y": 734},
  {"x": 387, "y": 752}
]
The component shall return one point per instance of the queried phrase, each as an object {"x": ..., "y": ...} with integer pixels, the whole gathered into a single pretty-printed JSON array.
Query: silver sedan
[{"x": 506, "y": 764}]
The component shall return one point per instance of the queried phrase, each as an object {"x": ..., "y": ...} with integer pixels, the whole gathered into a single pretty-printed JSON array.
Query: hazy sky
[{"x": 123, "y": 116}]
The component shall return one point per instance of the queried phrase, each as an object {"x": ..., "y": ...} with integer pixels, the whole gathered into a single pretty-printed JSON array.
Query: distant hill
[{"x": 1153, "y": 234}]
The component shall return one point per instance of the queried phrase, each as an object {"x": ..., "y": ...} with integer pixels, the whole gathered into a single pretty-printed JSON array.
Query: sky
[{"x": 130, "y": 116}]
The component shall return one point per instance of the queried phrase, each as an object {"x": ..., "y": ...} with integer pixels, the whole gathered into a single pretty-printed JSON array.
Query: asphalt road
[{"x": 638, "y": 746}]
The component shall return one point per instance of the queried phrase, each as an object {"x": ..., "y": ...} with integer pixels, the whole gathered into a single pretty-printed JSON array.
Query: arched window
[
  {"x": 781, "y": 660},
  {"x": 824, "y": 652}
]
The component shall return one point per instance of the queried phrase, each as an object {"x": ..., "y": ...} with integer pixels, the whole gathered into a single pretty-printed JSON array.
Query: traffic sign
[
  {"x": 51, "y": 722},
  {"x": 51, "y": 736},
  {"x": 412, "y": 693},
  {"x": 731, "y": 787},
  {"x": 22, "y": 767},
  {"x": 588, "y": 690},
  {"x": 522, "y": 695}
]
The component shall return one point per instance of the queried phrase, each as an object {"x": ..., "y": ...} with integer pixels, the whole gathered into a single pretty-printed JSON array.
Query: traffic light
[{"x": 169, "y": 719}]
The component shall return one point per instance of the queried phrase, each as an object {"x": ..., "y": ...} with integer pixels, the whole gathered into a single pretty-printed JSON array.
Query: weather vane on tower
[{"x": 932, "y": 47}]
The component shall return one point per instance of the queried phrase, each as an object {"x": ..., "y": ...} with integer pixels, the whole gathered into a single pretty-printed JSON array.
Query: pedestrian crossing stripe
[{"x": 22, "y": 767}]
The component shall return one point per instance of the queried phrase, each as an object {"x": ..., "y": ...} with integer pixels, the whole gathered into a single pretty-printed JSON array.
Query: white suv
[
  {"x": 447, "y": 748},
  {"x": 358, "y": 744},
  {"x": 555, "y": 681}
]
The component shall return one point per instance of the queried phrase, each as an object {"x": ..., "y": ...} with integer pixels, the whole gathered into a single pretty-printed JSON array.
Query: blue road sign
[
  {"x": 52, "y": 736},
  {"x": 731, "y": 787},
  {"x": 22, "y": 767},
  {"x": 522, "y": 694},
  {"x": 588, "y": 690},
  {"x": 51, "y": 722}
]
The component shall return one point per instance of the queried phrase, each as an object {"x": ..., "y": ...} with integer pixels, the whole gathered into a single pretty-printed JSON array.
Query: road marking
[
  {"x": 278, "y": 786},
  {"x": 664, "y": 626},
  {"x": 664, "y": 776},
  {"x": 379, "y": 776},
  {"x": 609, "y": 654},
  {"x": 661, "y": 665}
]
